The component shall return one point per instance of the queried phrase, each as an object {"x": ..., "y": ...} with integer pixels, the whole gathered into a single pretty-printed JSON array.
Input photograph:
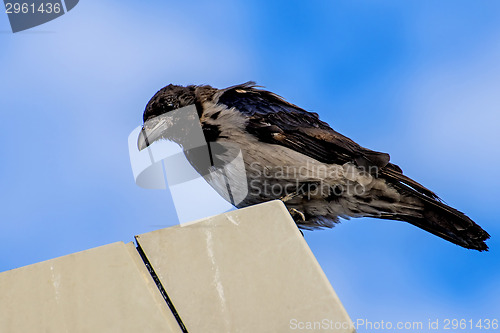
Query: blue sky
[{"x": 417, "y": 79}]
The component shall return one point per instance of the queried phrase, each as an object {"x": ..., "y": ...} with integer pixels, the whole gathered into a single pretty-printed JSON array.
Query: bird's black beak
[
  {"x": 152, "y": 130},
  {"x": 142, "y": 140}
]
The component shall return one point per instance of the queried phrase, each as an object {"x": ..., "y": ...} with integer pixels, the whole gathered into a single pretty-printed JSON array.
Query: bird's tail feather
[{"x": 445, "y": 222}]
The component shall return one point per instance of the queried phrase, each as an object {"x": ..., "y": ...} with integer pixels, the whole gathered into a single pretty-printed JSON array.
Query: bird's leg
[
  {"x": 289, "y": 196},
  {"x": 303, "y": 189},
  {"x": 295, "y": 212}
]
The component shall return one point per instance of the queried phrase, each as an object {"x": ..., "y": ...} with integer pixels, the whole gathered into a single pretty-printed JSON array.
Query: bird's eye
[
  {"x": 169, "y": 101},
  {"x": 167, "y": 104}
]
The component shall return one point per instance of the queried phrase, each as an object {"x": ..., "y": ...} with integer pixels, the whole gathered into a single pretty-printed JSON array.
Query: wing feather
[{"x": 276, "y": 121}]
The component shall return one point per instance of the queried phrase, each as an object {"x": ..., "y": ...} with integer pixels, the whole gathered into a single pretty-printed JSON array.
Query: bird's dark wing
[{"x": 276, "y": 121}]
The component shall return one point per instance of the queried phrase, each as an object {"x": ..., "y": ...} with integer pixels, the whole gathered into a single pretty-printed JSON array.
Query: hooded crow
[{"x": 290, "y": 154}]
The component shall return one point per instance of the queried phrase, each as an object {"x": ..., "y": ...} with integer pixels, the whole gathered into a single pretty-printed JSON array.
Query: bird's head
[
  {"x": 167, "y": 99},
  {"x": 159, "y": 120}
]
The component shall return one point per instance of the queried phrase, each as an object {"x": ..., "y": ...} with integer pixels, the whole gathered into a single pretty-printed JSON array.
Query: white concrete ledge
[
  {"x": 105, "y": 289},
  {"x": 248, "y": 270}
]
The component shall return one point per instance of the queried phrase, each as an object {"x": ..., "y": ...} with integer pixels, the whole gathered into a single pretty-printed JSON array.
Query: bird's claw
[
  {"x": 289, "y": 196},
  {"x": 294, "y": 212}
]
